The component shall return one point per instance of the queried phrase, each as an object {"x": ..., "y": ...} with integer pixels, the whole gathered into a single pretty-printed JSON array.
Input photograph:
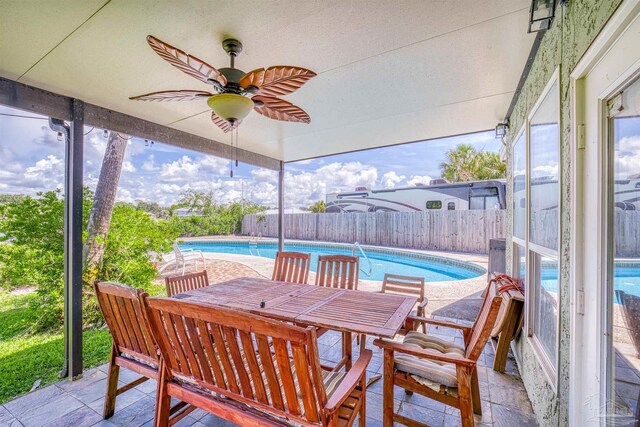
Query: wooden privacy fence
[{"x": 460, "y": 231}]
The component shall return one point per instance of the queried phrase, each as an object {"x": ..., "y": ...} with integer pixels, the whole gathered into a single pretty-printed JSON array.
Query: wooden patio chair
[
  {"x": 403, "y": 285},
  {"x": 133, "y": 344},
  {"x": 248, "y": 369},
  {"x": 407, "y": 285},
  {"x": 338, "y": 271},
  {"x": 188, "y": 282},
  {"x": 292, "y": 267},
  {"x": 441, "y": 370}
]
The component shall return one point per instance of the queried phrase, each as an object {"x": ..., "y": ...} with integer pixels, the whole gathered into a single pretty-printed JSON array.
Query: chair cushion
[{"x": 430, "y": 372}]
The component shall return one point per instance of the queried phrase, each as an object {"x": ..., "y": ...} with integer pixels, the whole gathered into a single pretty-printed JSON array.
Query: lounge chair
[{"x": 182, "y": 256}]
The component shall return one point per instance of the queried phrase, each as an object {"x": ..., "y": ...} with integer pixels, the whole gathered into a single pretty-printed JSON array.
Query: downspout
[{"x": 59, "y": 126}]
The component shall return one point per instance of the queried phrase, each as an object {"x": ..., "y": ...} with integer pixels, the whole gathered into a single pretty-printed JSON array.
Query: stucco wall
[{"x": 575, "y": 27}]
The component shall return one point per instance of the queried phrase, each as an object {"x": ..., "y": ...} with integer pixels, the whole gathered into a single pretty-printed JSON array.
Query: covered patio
[{"x": 388, "y": 73}]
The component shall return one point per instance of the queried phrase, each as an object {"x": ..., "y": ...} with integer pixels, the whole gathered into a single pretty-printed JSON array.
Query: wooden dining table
[{"x": 347, "y": 311}]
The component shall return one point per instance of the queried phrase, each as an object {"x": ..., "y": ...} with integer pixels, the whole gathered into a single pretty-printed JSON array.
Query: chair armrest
[
  {"x": 439, "y": 323},
  {"x": 349, "y": 382},
  {"x": 186, "y": 250},
  {"x": 425, "y": 354},
  {"x": 424, "y": 303}
]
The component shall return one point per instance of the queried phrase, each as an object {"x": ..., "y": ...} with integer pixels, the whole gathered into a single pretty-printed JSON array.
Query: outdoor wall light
[
  {"x": 541, "y": 15},
  {"x": 501, "y": 130},
  {"x": 230, "y": 106}
]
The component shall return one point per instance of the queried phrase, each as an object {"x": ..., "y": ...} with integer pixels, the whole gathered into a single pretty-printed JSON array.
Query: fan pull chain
[
  {"x": 236, "y": 147},
  {"x": 231, "y": 157}
]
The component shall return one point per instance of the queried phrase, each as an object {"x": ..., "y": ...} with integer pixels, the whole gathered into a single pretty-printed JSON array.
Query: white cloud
[
  {"x": 627, "y": 157},
  {"x": 391, "y": 179},
  {"x": 181, "y": 170},
  {"x": 149, "y": 165},
  {"x": 215, "y": 164},
  {"x": 127, "y": 166},
  {"x": 419, "y": 179}
]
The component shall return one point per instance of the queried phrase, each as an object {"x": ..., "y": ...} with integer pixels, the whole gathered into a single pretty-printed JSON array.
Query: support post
[
  {"x": 73, "y": 241},
  {"x": 281, "y": 207}
]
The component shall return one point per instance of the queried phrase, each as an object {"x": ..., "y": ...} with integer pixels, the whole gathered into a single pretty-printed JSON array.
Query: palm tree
[
  {"x": 464, "y": 163},
  {"x": 318, "y": 207},
  {"x": 102, "y": 208}
]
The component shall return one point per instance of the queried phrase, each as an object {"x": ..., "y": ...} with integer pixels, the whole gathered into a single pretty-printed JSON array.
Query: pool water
[
  {"x": 626, "y": 279},
  {"x": 433, "y": 270}
]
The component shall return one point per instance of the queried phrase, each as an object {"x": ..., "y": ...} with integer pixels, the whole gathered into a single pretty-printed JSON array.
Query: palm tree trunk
[{"x": 102, "y": 209}]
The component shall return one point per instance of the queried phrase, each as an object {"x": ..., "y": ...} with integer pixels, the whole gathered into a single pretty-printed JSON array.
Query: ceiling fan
[{"x": 236, "y": 92}]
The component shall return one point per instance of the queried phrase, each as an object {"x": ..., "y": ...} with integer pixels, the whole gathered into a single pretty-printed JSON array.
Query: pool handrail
[{"x": 364, "y": 255}]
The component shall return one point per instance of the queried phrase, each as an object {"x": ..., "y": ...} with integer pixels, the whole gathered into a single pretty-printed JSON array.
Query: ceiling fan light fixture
[{"x": 230, "y": 106}]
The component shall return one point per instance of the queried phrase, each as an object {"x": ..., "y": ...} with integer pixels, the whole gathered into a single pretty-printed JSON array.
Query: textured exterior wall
[{"x": 574, "y": 28}]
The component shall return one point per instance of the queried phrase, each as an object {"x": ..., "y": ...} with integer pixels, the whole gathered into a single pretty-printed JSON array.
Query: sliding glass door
[{"x": 623, "y": 290}]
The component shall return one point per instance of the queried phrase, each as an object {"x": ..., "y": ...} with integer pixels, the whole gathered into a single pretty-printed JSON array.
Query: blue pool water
[
  {"x": 626, "y": 279},
  {"x": 433, "y": 269}
]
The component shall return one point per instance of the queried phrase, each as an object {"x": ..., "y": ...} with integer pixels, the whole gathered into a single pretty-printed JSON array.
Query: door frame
[{"x": 586, "y": 372}]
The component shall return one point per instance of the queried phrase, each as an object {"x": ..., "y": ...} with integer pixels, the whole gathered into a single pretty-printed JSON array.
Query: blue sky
[{"x": 33, "y": 160}]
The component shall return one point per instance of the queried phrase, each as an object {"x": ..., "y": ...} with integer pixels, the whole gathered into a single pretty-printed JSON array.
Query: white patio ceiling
[{"x": 389, "y": 72}]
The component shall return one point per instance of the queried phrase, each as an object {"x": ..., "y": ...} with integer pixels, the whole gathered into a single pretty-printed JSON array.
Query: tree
[
  {"x": 318, "y": 207},
  {"x": 32, "y": 252},
  {"x": 464, "y": 163},
  {"x": 103, "y": 202}
]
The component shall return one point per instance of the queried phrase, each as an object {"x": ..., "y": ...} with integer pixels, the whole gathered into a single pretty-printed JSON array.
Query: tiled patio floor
[{"x": 79, "y": 403}]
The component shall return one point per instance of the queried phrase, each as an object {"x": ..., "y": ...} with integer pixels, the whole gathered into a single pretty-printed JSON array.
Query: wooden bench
[{"x": 248, "y": 369}]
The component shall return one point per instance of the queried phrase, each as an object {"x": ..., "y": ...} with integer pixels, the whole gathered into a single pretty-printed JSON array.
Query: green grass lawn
[{"x": 27, "y": 357}]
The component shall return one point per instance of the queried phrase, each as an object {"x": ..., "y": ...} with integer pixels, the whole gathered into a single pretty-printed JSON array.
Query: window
[
  {"x": 520, "y": 265},
  {"x": 451, "y": 206},
  {"x": 537, "y": 227},
  {"x": 519, "y": 182},
  {"x": 434, "y": 204},
  {"x": 484, "y": 198}
]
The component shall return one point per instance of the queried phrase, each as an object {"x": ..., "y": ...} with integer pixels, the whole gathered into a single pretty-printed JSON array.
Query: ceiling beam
[{"x": 39, "y": 101}]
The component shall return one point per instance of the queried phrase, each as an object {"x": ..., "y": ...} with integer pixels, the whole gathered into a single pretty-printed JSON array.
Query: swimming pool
[
  {"x": 626, "y": 278},
  {"x": 383, "y": 260}
]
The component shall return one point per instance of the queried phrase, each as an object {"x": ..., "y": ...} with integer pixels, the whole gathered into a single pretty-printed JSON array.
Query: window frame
[
  {"x": 522, "y": 133},
  {"x": 549, "y": 368}
]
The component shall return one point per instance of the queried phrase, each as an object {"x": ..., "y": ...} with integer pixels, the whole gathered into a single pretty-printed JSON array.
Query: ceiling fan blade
[
  {"x": 279, "y": 109},
  {"x": 189, "y": 64},
  {"x": 173, "y": 95},
  {"x": 224, "y": 124},
  {"x": 277, "y": 80}
]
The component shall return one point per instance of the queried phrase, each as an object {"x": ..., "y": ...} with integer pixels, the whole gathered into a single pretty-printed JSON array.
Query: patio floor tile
[{"x": 80, "y": 403}]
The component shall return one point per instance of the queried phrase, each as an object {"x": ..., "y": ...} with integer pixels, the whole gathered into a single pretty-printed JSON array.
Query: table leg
[{"x": 346, "y": 349}]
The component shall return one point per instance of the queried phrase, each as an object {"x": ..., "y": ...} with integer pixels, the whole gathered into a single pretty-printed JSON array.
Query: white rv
[{"x": 438, "y": 195}]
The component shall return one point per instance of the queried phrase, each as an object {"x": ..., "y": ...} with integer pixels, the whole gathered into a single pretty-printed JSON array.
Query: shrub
[
  {"x": 32, "y": 252},
  {"x": 210, "y": 218}
]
